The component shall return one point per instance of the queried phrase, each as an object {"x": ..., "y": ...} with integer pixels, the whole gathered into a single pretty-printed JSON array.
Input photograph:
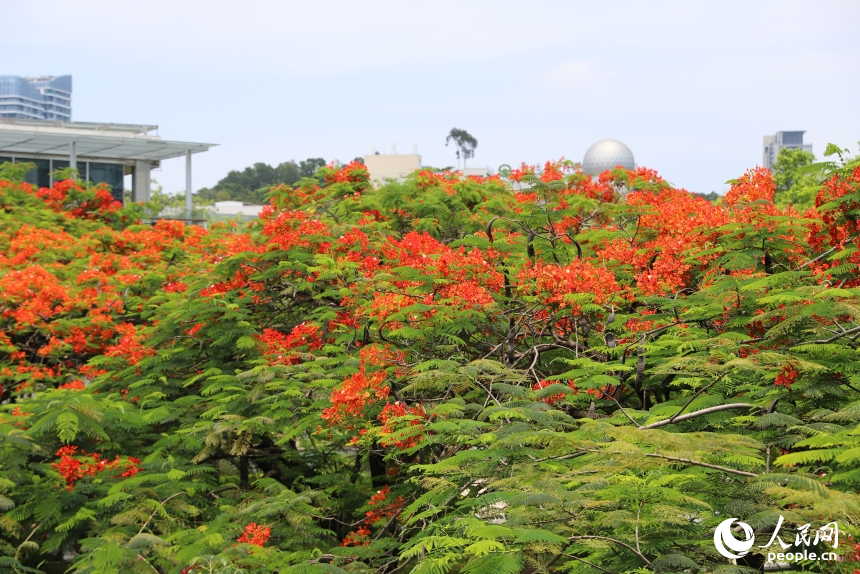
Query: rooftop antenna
[
  {"x": 415, "y": 148},
  {"x": 394, "y": 149}
]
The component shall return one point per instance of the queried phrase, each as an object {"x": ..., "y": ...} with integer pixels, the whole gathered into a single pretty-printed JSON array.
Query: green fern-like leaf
[
  {"x": 67, "y": 426},
  {"x": 495, "y": 564},
  {"x": 537, "y": 535},
  {"x": 674, "y": 563}
]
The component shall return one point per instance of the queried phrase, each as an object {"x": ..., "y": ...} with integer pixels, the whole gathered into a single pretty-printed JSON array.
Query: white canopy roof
[{"x": 92, "y": 141}]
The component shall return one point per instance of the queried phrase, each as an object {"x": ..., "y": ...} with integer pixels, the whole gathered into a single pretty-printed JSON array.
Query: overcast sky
[{"x": 690, "y": 87}]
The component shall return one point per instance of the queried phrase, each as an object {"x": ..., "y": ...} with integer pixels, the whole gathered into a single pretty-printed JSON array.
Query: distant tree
[
  {"x": 798, "y": 189},
  {"x": 162, "y": 204},
  {"x": 253, "y": 183},
  {"x": 712, "y": 197},
  {"x": 464, "y": 142},
  {"x": 310, "y": 166},
  {"x": 787, "y": 163}
]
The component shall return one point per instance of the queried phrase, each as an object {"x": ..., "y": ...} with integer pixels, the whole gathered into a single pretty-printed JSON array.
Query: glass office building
[{"x": 36, "y": 97}]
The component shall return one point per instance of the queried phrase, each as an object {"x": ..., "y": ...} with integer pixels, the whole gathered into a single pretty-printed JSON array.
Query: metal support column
[
  {"x": 188, "y": 185},
  {"x": 73, "y": 159}
]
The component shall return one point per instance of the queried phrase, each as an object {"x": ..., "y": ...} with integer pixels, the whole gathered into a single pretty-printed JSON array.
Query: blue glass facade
[{"x": 36, "y": 97}]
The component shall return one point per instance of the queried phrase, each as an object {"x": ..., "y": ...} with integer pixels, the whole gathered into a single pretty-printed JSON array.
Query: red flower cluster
[
  {"x": 256, "y": 535},
  {"x": 787, "y": 377},
  {"x": 556, "y": 282},
  {"x": 34, "y": 295},
  {"x": 552, "y": 399},
  {"x": 68, "y": 197},
  {"x": 175, "y": 287},
  {"x": 383, "y": 509},
  {"x": 356, "y": 392},
  {"x": 278, "y": 345},
  {"x": 290, "y": 229},
  {"x": 393, "y": 411},
  {"x": 363, "y": 388},
  {"x": 380, "y": 508},
  {"x": 74, "y": 467},
  {"x": 76, "y": 385},
  {"x": 755, "y": 185},
  {"x": 130, "y": 345},
  {"x": 604, "y": 392},
  {"x": 355, "y": 172},
  {"x": 360, "y": 537}
]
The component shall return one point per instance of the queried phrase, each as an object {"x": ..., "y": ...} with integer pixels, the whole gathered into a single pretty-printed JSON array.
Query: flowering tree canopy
[{"x": 542, "y": 372}]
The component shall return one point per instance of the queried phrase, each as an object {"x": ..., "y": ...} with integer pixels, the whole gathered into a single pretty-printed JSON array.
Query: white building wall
[{"x": 391, "y": 166}]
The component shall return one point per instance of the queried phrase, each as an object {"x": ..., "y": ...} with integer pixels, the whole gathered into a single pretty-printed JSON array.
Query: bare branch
[
  {"x": 831, "y": 339},
  {"x": 687, "y": 404},
  {"x": 589, "y": 563},
  {"x": 811, "y": 261},
  {"x": 561, "y": 456},
  {"x": 619, "y": 542},
  {"x": 700, "y": 413},
  {"x": 702, "y": 464},
  {"x": 611, "y": 396},
  {"x": 32, "y": 532},
  {"x": 679, "y": 459},
  {"x": 151, "y": 516}
]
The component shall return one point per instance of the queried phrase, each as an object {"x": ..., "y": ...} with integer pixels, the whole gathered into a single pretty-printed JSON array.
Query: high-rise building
[
  {"x": 775, "y": 143},
  {"x": 36, "y": 97}
]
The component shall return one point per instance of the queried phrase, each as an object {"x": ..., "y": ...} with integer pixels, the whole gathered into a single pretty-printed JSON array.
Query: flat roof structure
[{"x": 73, "y": 142}]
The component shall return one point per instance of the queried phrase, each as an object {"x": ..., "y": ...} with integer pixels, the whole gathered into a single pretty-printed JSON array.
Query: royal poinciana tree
[{"x": 545, "y": 373}]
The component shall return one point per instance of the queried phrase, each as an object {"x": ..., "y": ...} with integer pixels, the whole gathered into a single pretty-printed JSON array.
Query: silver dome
[{"x": 607, "y": 154}]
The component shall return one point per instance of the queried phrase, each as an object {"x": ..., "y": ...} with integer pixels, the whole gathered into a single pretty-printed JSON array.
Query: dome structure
[{"x": 607, "y": 154}]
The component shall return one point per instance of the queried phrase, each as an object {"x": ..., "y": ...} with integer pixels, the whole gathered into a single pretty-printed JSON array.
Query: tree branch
[
  {"x": 32, "y": 532},
  {"x": 811, "y": 261},
  {"x": 679, "y": 459},
  {"x": 619, "y": 542},
  {"x": 702, "y": 464},
  {"x": 687, "y": 404},
  {"x": 831, "y": 339},
  {"x": 561, "y": 456},
  {"x": 151, "y": 516},
  {"x": 587, "y": 562},
  {"x": 703, "y": 412}
]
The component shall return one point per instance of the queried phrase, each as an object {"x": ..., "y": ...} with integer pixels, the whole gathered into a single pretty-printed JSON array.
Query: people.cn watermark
[{"x": 804, "y": 539}]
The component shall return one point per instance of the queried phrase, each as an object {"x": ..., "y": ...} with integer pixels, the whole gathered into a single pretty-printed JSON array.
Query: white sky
[{"x": 691, "y": 87}]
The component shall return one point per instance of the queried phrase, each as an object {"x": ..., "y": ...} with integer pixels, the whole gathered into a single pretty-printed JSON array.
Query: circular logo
[{"x": 724, "y": 540}]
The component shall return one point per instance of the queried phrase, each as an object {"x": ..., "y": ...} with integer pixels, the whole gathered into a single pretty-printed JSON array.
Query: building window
[
  {"x": 41, "y": 175},
  {"x": 109, "y": 173}
]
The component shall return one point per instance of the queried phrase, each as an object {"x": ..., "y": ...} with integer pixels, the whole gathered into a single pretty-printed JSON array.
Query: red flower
[
  {"x": 73, "y": 466},
  {"x": 256, "y": 535},
  {"x": 552, "y": 399},
  {"x": 195, "y": 329},
  {"x": 279, "y": 345},
  {"x": 756, "y": 184},
  {"x": 786, "y": 377},
  {"x": 392, "y": 411},
  {"x": 358, "y": 538},
  {"x": 76, "y": 385}
]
